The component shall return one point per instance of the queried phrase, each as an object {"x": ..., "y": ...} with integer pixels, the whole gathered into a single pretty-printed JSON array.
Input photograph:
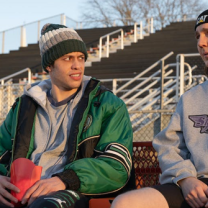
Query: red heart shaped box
[{"x": 24, "y": 174}]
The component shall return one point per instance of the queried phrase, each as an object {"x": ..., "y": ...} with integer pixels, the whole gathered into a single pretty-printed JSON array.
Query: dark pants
[
  {"x": 174, "y": 195},
  {"x": 59, "y": 199}
]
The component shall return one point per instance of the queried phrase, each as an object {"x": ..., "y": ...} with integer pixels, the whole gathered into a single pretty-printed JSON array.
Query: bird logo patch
[
  {"x": 200, "y": 121},
  {"x": 87, "y": 123}
]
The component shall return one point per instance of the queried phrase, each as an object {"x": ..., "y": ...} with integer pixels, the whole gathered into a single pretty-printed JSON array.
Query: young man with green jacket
[{"x": 72, "y": 126}]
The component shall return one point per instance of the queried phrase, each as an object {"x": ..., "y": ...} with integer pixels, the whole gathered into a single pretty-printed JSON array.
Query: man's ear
[{"x": 48, "y": 68}]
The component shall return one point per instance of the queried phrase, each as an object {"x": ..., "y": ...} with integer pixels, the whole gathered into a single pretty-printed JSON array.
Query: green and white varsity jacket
[{"x": 100, "y": 150}]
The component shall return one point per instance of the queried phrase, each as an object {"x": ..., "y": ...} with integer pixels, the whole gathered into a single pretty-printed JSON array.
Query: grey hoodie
[
  {"x": 183, "y": 146},
  {"x": 52, "y": 127}
]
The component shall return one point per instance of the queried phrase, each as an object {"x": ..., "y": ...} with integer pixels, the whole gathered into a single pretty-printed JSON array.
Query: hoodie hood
[{"x": 38, "y": 90}]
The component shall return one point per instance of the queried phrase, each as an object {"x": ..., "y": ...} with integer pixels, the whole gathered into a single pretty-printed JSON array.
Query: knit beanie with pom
[{"x": 57, "y": 40}]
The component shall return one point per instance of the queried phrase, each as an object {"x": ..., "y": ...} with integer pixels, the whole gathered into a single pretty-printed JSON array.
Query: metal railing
[
  {"x": 180, "y": 60},
  {"x": 21, "y": 37},
  {"x": 142, "y": 73},
  {"x": 107, "y": 45},
  {"x": 118, "y": 83},
  {"x": 161, "y": 98},
  {"x": 158, "y": 94},
  {"x": 137, "y": 33},
  {"x": 30, "y": 33},
  {"x": 2, "y": 80},
  {"x": 161, "y": 87}
]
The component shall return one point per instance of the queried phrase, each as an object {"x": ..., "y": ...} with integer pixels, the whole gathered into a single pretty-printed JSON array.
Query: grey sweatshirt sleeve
[{"x": 173, "y": 154}]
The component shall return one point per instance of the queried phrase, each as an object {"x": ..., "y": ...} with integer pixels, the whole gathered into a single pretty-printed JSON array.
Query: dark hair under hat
[
  {"x": 57, "y": 40},
  {"x": 202, "y": 18}
]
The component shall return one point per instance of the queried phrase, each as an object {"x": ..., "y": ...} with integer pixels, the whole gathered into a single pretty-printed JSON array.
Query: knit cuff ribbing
[
  {"x": 70, "y": 179},
  {"x": 62, "y": 48}
]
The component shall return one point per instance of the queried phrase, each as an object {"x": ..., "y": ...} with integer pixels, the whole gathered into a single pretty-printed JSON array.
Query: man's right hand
[
  {"x": 5, "y": 184},
  {"x": 194, "y": 191}
]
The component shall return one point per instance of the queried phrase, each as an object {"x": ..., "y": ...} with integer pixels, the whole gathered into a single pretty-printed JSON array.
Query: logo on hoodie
[
  {"x": 87, "y": 123},
  {"x": 200, "y": 121}
]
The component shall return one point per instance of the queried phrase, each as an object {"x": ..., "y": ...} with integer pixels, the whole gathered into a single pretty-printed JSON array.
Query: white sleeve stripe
[
  {"x": 123, "y": 150},
  {"x": 119, "y": 145},
  {"x": 119, "y": 155}
]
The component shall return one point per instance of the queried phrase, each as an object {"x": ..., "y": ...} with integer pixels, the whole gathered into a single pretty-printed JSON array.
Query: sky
[{"x": 15, "y": 13}]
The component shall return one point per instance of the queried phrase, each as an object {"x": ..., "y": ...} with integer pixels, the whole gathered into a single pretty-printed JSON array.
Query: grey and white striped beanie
[{"x": 57, "y": 40}]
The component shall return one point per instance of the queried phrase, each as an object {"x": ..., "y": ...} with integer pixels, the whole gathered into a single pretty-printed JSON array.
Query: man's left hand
[{"x": 43, "y": 187}]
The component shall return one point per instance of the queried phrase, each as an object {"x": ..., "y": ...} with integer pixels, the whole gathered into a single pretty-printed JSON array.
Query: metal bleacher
[{"x": 146, "y": 72}]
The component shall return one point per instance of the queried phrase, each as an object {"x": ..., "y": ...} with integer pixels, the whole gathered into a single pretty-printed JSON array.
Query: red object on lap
[
  {"x": 24, "y": 174},
  {"x": 100, "y": 202}
]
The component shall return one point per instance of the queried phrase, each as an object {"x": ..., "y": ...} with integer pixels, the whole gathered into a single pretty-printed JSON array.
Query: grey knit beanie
[{"x": 58, "y": 40}]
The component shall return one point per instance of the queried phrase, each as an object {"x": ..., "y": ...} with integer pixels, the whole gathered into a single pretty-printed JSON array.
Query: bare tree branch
[{"x": 126, "y": 12}]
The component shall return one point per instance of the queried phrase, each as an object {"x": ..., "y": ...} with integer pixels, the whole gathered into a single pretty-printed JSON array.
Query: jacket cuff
[{"x": 70, "y": 179}]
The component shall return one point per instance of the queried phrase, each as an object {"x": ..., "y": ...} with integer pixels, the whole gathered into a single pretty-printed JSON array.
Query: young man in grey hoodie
[
  {"x": 182, "y": 148},
  {"x": 75, "y": 128}
]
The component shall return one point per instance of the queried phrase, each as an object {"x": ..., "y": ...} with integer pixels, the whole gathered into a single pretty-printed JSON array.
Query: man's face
[
  {"x": 67, "y": 71},
  {"x": 202, "y": 41}
]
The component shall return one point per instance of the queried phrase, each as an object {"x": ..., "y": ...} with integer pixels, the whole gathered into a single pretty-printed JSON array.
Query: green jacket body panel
[{"x": 99, "y": 154}]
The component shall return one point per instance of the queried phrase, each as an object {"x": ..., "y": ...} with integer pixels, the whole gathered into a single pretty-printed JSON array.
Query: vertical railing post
[
  {"x": 3, "y": 41},
  {"x": 114, "y": 86},
  {"x": 148, "y": 25},
  {"x": 181, "y": 74},
  {"x": 151, "y": 28},
  {"x": 122, "y": 39},
  {"x": 100, "y": 48},
  {"x": 29, "y": 76},
  {"x": 9, "y": 97},
  {"x": 107, "y": 46},
  {"x": 23, "y": 37},
  {"x": 63, "y": 19},
  {"x": 162, "y": 84},
  {"x": 135, "y": 32},
  {"x": 177, "y": 77},
  {"x": 141, "y": 31},
  {"x": 161, "y": 91}
]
